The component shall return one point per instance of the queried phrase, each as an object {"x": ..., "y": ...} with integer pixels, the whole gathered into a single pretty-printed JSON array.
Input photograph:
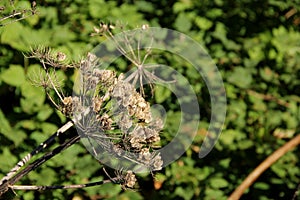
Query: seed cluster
[
  {"x": 113, "y": 106},
  {"x": 130, "y": 179}
]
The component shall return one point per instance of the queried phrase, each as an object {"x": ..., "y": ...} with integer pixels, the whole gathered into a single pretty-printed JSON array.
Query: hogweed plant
[
  {"x": 112, "y": 119},
  {"x": 110, "y": 110}
]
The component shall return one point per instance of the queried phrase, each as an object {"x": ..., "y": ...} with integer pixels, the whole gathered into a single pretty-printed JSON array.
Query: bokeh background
[{"x": 256, "y": 46}]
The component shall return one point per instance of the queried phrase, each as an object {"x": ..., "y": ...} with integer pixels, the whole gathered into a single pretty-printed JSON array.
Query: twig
[
  {"x": 54, "y": 187},
  {"x": 263, "y": 166},
  {"x": 297, "y": 191},
  {"x": 268, "y": 97},
  {"x": 15, "y": 13}
]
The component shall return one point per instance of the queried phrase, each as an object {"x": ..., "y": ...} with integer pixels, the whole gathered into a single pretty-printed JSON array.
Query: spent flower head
[
  {"x": 114, "y": 117},
  {"x": 129, "y": 179}
]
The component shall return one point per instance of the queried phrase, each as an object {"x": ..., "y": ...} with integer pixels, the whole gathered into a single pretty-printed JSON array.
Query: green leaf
[
  {"x": 45, "y": 112},
  {"x": 261, "y": 186},
  {"x": 279, "y": 170},
  {"x": 214, "y": 194},
  {"x": 230, "y": 136},
  {"x": 203, "y": 23},
  {"x": 12, "y": 36},
  {"x": 98, "y": 8},
  {"x": 14, "y": 75},
  {"x": 22, "y": 37},
  {"x": 181, "y": 6},
  {"x": 161, "y": 93},
  {"x": 46, "y": 176},
  {"x": 86, "y": 162},
  {"x": 5, "y": 126},
  {"x": 67, "y": 157},
  {"x": 109, "y": 189},
  {"x": 218, "y": 182},
  {"x": 38, "y": 137},
  {"x": 130, "y": 195},
  {"x": 15, "y": 135},
  {"x": 48, "y": 128},
  {"x": 240, "y": 77},
  {"x": 27, "y": 124},
  {"x": 34, "y": 98},
  {"x": 62, "y": 34},
  {"x": 28, "y": 195},
  {"x": 182, "y": 23},
  {"x": 245, "y": 144},
  {"x": 225, "y": 162},
  {"x": 186, "y": 193},
  {"x": 145, "y": 6},
  {"x": 7, "y": 159},
  {"x": 231, "y": 92}
]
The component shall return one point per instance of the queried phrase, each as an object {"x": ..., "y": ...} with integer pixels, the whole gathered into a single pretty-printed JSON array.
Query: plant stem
[
  {"x": 8, "y": 183},
  {"x": 37, "y": 150}
]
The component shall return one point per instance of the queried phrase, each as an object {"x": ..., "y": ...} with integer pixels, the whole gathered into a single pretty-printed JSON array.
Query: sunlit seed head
[
  {"x": 67, "y": 100},
  {"x": 145, "y": 26},
  {"x": 157, "y": 162},
  {"x": 130, "y": 179},
  {"x": 97, "y": 103},
  {"x": 61, "y": 56}
]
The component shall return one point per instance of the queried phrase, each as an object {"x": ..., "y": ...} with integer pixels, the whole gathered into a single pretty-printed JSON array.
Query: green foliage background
[{"x": 256, "y": 46}]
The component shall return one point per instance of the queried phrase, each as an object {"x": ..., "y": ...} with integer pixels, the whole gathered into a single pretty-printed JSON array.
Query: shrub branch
[{"x": 238, "y": 192}]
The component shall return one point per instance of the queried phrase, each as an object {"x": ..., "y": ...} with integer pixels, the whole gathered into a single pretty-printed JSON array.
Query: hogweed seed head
[
  {"x": 145, "y": 155},
  {"x": 157, "y": 162},
  {"x": 70, "y": 105},
  {"x": 119, "y": 119},
  {"x": 97, "y": 103},
  {"x": 130, "y": 179},
  {"x": 105, "y": 122}
]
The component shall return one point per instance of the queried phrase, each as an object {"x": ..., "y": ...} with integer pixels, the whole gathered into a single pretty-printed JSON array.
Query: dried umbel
[{"x": 116, "y": 118}]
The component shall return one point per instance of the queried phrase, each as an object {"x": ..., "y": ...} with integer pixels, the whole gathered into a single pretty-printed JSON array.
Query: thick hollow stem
[
  {"x": 40, "y": 148},
  {"x": 8, "y": 183}
]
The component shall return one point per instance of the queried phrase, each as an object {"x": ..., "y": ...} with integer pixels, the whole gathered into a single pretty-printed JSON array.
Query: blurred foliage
[{"x": 256, "y": 46}]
